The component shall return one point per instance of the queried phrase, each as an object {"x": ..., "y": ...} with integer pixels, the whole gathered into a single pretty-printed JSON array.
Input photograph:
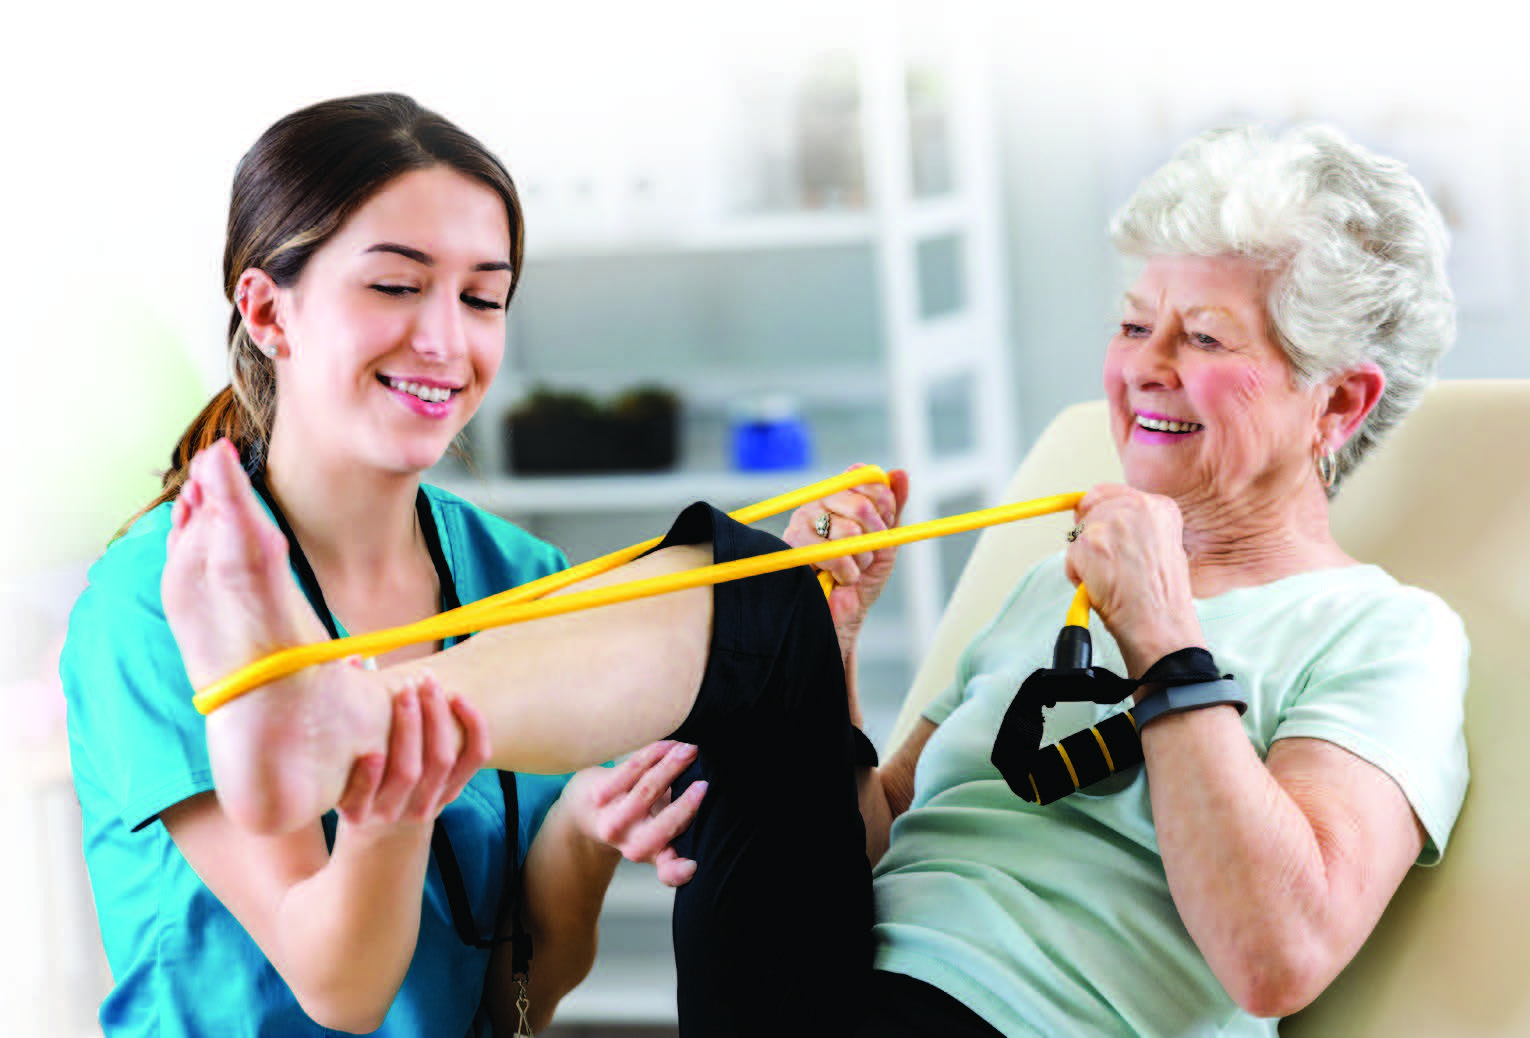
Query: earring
[
  {"x": 1327, "y": 465},
  {"x": 268, "y": 348}
]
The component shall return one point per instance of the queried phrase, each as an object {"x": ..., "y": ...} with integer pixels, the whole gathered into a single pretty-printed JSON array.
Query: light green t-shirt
[{"x": 1057, "y": 920}]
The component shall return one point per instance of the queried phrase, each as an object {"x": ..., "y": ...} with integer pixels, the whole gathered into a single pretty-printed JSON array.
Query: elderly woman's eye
[
  {"x": 1204, "y": 340},
  {"x": 1134, "y": 331}
]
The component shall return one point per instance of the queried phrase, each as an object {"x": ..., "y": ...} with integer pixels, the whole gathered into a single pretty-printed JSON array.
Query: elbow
[
  {"x": 344, "y": 1018},
  {"x": 1277, "y": 982},
  {"x": 348, "y": 1012}
]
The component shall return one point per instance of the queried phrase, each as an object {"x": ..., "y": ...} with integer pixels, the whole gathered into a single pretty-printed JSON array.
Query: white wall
[{"x": 1092, "y": 98}]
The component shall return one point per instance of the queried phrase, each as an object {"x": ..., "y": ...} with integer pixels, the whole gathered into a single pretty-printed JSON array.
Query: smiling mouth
[
  {"x": 1167, "y": 425},
  {"x": 429, "y": 394}
]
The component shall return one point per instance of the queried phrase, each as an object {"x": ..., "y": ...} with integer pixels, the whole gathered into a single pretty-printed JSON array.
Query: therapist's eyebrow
[{"x": 425, "y": 259}]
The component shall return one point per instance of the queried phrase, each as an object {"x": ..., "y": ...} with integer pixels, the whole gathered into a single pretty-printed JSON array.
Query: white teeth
[
  {"x": 430, "y": 394},
  {"x": 1164, "y": 425}
]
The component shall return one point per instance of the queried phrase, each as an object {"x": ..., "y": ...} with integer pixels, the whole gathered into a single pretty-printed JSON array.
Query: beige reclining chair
[{"x": 1444, "y": 504}]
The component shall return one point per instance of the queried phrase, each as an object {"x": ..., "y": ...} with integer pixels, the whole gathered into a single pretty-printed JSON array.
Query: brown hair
[{"x": 293, "y": 190}]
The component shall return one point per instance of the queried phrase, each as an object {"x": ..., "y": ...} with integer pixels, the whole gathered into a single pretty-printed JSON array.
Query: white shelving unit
[{"x": 941, "y": 364}]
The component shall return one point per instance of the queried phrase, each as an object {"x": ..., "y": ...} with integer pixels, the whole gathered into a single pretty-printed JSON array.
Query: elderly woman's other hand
[
  {"x": 1130, "y": 553},
  {"x": 858, "y": 579}
]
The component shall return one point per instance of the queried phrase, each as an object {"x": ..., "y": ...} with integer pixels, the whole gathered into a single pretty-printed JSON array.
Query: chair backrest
[{"x": 1444, "y": 504}]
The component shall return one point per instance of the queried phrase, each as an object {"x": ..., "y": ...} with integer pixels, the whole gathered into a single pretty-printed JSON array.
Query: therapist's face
[{"x": 396, "y": 327}]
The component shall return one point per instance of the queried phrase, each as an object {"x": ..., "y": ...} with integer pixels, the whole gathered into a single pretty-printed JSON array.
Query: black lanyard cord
[{"x": 509, "y": 910}]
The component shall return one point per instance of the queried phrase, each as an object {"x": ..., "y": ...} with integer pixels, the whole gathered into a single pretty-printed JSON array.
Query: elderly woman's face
[{"x": 1203, "y": 403}]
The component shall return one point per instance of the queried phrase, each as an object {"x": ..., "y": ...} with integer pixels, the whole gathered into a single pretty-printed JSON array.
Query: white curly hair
[{"x": 1357, "y": 248}]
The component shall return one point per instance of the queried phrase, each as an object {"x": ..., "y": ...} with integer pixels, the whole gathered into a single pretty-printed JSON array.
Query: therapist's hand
[
  {"x": 436, "y": 743},
  {"x": 628, "y": 808},
  {"x": 858, "y": 579}
]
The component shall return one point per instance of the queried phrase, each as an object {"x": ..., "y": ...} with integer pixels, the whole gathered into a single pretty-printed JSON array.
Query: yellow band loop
[{"x": 527, "y": 603}]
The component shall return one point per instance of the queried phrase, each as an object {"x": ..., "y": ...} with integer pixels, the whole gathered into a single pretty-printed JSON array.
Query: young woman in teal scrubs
[{"x": 372, "y": 249}]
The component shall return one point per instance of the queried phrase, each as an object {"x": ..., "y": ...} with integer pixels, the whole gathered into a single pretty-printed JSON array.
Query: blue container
[{"x": 769, "y": 436}]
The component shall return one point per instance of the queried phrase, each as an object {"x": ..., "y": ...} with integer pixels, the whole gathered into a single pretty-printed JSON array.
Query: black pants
[{"x": 773, "y": 932}]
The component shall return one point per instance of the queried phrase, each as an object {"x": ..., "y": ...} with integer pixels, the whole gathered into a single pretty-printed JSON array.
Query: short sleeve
[
  {"x": 942, "y": 706},
  {"x": 133, "y": 729},
  {"x": 1392, "y": 692}
]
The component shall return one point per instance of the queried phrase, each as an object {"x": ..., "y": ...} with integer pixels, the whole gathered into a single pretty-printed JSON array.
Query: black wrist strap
[
  {"x": 1182, "y": 667},
  {"x": 1044, "y": 774}
]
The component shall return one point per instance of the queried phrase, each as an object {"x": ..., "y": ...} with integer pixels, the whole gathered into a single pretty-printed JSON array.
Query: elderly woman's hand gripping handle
[{"x": 1129, "y": 551}]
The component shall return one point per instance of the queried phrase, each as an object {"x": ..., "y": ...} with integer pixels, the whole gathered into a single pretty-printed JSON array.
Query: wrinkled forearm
[
  {"x": 1244, "y": 866},
  {"x": 347, "y": 934}
]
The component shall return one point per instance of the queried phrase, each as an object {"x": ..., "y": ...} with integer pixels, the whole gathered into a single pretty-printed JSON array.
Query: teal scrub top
[{"x": 182, "y": 964}]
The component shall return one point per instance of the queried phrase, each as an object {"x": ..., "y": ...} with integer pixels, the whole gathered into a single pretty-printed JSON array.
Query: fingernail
[{"x": 701, "y": 785}]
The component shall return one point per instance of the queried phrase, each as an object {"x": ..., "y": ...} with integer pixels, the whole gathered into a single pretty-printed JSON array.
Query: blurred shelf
[
  {"x": 673, "y": 489},
  {"x": 840, "y": 385},
  {"x": 638, "y": 491},
  {"x": 762, "y": 231}
]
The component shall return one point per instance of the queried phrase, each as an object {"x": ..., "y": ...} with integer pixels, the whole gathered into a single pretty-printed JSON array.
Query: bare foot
[{"x": 280, "y": 754}]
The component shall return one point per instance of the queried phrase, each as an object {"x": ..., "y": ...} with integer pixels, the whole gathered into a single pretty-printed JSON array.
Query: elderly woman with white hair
[{"x": 1290, "y": 306}]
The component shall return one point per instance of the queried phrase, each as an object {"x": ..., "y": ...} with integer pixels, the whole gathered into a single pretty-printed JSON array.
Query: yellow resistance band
[{"x": 527, "y": 602}]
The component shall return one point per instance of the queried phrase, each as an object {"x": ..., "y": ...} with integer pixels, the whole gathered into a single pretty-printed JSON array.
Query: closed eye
[{"x": 482, "y": 304}]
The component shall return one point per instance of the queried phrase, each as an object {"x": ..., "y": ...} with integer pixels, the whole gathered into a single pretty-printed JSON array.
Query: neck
[
  {"x": 353, "y": 522},
  {"x": 1232, "y": 544}
]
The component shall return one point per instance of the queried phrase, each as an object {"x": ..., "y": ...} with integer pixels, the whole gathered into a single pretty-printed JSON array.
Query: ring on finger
[
  {"x": 1075, "y": 533},
  {"x": 821, "y": 524}
]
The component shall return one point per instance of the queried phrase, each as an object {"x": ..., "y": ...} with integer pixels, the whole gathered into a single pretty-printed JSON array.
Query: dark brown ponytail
[{"x": 293, "y": 190}]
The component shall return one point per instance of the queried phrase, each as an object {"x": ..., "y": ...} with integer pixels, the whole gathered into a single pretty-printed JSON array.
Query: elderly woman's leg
[
  {"x": 772, "y": 934},
  {"x": 559, "y": 694}
]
